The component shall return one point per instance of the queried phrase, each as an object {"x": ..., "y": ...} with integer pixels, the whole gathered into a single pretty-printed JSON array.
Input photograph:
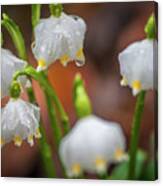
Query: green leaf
[
  {"x": 56, "y": 9},
  {"x": 150, "y": 27},
  {"x": 149, "y": 172},
  {"x": 80, "y": 97},
  {"x": 120, "y": 172},
  {"x": 36, "y": 12},
  {"x": 16, "y": 35}
]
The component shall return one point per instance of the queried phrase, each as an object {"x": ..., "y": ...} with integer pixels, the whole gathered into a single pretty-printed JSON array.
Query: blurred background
[{"x": 110, "y": 28}]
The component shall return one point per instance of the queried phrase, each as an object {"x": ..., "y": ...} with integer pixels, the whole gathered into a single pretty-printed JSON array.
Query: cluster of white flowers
[
  {"x": 59, "y": 38},
  {"x": 91, "y": 146},
  {"x": 9, "y": 65},
  {"x": 20, "y": 121},
  {"x": 137, "y": 65},
  {"x": 55, "y": 38}
]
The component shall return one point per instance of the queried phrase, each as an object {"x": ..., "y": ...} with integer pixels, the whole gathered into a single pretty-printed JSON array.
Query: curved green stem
[
  {"x": 44, "y": 147},
  {"x": 19, "y": 43},
  {"x": 30, "y": 71},
  {"x": 135, "y": 134},
  {"x": 50, "y": 92},
  {"x": 43, "y": 144},
  {"x": 16, "y": 36}
]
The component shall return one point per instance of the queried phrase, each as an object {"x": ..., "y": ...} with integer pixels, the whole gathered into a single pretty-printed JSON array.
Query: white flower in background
[
  {"x": 9, "y": 65},
  {"x": 137, "y": 65},
  {"x": 19, "y": 121},
  {"x": 59, "y": 38},
  {"x": 91, "y": 146}
]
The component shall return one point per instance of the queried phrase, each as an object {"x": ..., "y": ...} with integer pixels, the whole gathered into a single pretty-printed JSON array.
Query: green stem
[
  {"x": 46, "y": 155},
  {"x": 16, "y": 35},
  {"x": 30, "y": 71},
  {"x": 43, "y": 144},
  {"x": 36, "y": 12},
  {"x": 53, "y": 120},
  {"x": 19, "y": 43},
  {"x": 31, "y": 95},
  {"x": 56, "y": 9},
  {"x": 1, "y": 39},
  {"x": 50, "y": 92},
  {"x": 63, "y": 114},
  {"x": 135, "y": 134},
  {"x": 44, "y": 147}
]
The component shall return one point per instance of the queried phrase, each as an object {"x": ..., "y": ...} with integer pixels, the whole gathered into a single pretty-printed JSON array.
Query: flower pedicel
[
  {"x": 91, "y": 145},
  {"x": 59, "y": 38}
]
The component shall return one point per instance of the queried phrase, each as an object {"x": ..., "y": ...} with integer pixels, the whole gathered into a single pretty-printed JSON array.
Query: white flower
[
  {"x": 9, "y": 65},
  {"x": 59, "y": 38},
  {"x": 91, "y": 145},
  {"x": 20, "y": 121},
  {"x": 137, "y": 65}
]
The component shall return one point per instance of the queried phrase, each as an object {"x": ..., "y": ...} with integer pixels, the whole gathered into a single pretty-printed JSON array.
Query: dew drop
[{"x": 79, "y": 63}]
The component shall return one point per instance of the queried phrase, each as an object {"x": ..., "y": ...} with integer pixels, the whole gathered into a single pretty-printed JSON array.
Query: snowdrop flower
[
  {"x": 91, "y": 145},
  {"x": 20, "y": 121},
  {"x": 59, "y": 38},
  {"x": 136, "y": 65},
  {"x": 9, "y": 65}
]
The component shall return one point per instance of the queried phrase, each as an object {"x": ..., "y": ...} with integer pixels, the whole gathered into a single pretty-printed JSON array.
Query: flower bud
[
  {"x": 150, "y": 28},
  {"x": 81, "y": 100}
]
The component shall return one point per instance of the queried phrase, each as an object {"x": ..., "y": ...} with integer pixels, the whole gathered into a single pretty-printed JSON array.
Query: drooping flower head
[
  {"x": 91, "y": 145},
  {"x": 9, "y": 65},
  {"x": 20, "y": 121},
  {"x": 137, "y": 63},
  {"x": 59, "y": 38}
]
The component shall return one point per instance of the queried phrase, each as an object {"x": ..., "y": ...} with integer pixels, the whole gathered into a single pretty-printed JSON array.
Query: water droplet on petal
[{"x": 79, "y": 63}]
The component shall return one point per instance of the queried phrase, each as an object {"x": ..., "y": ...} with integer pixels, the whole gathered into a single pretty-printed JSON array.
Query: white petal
[
  {"x": 19, "y": 118},
  {"x": 56, "y": 37},
  {"x": 91, "y": 138},
  {"x": 137, "y": 62},
  {"x": 9, "y": 65}
]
